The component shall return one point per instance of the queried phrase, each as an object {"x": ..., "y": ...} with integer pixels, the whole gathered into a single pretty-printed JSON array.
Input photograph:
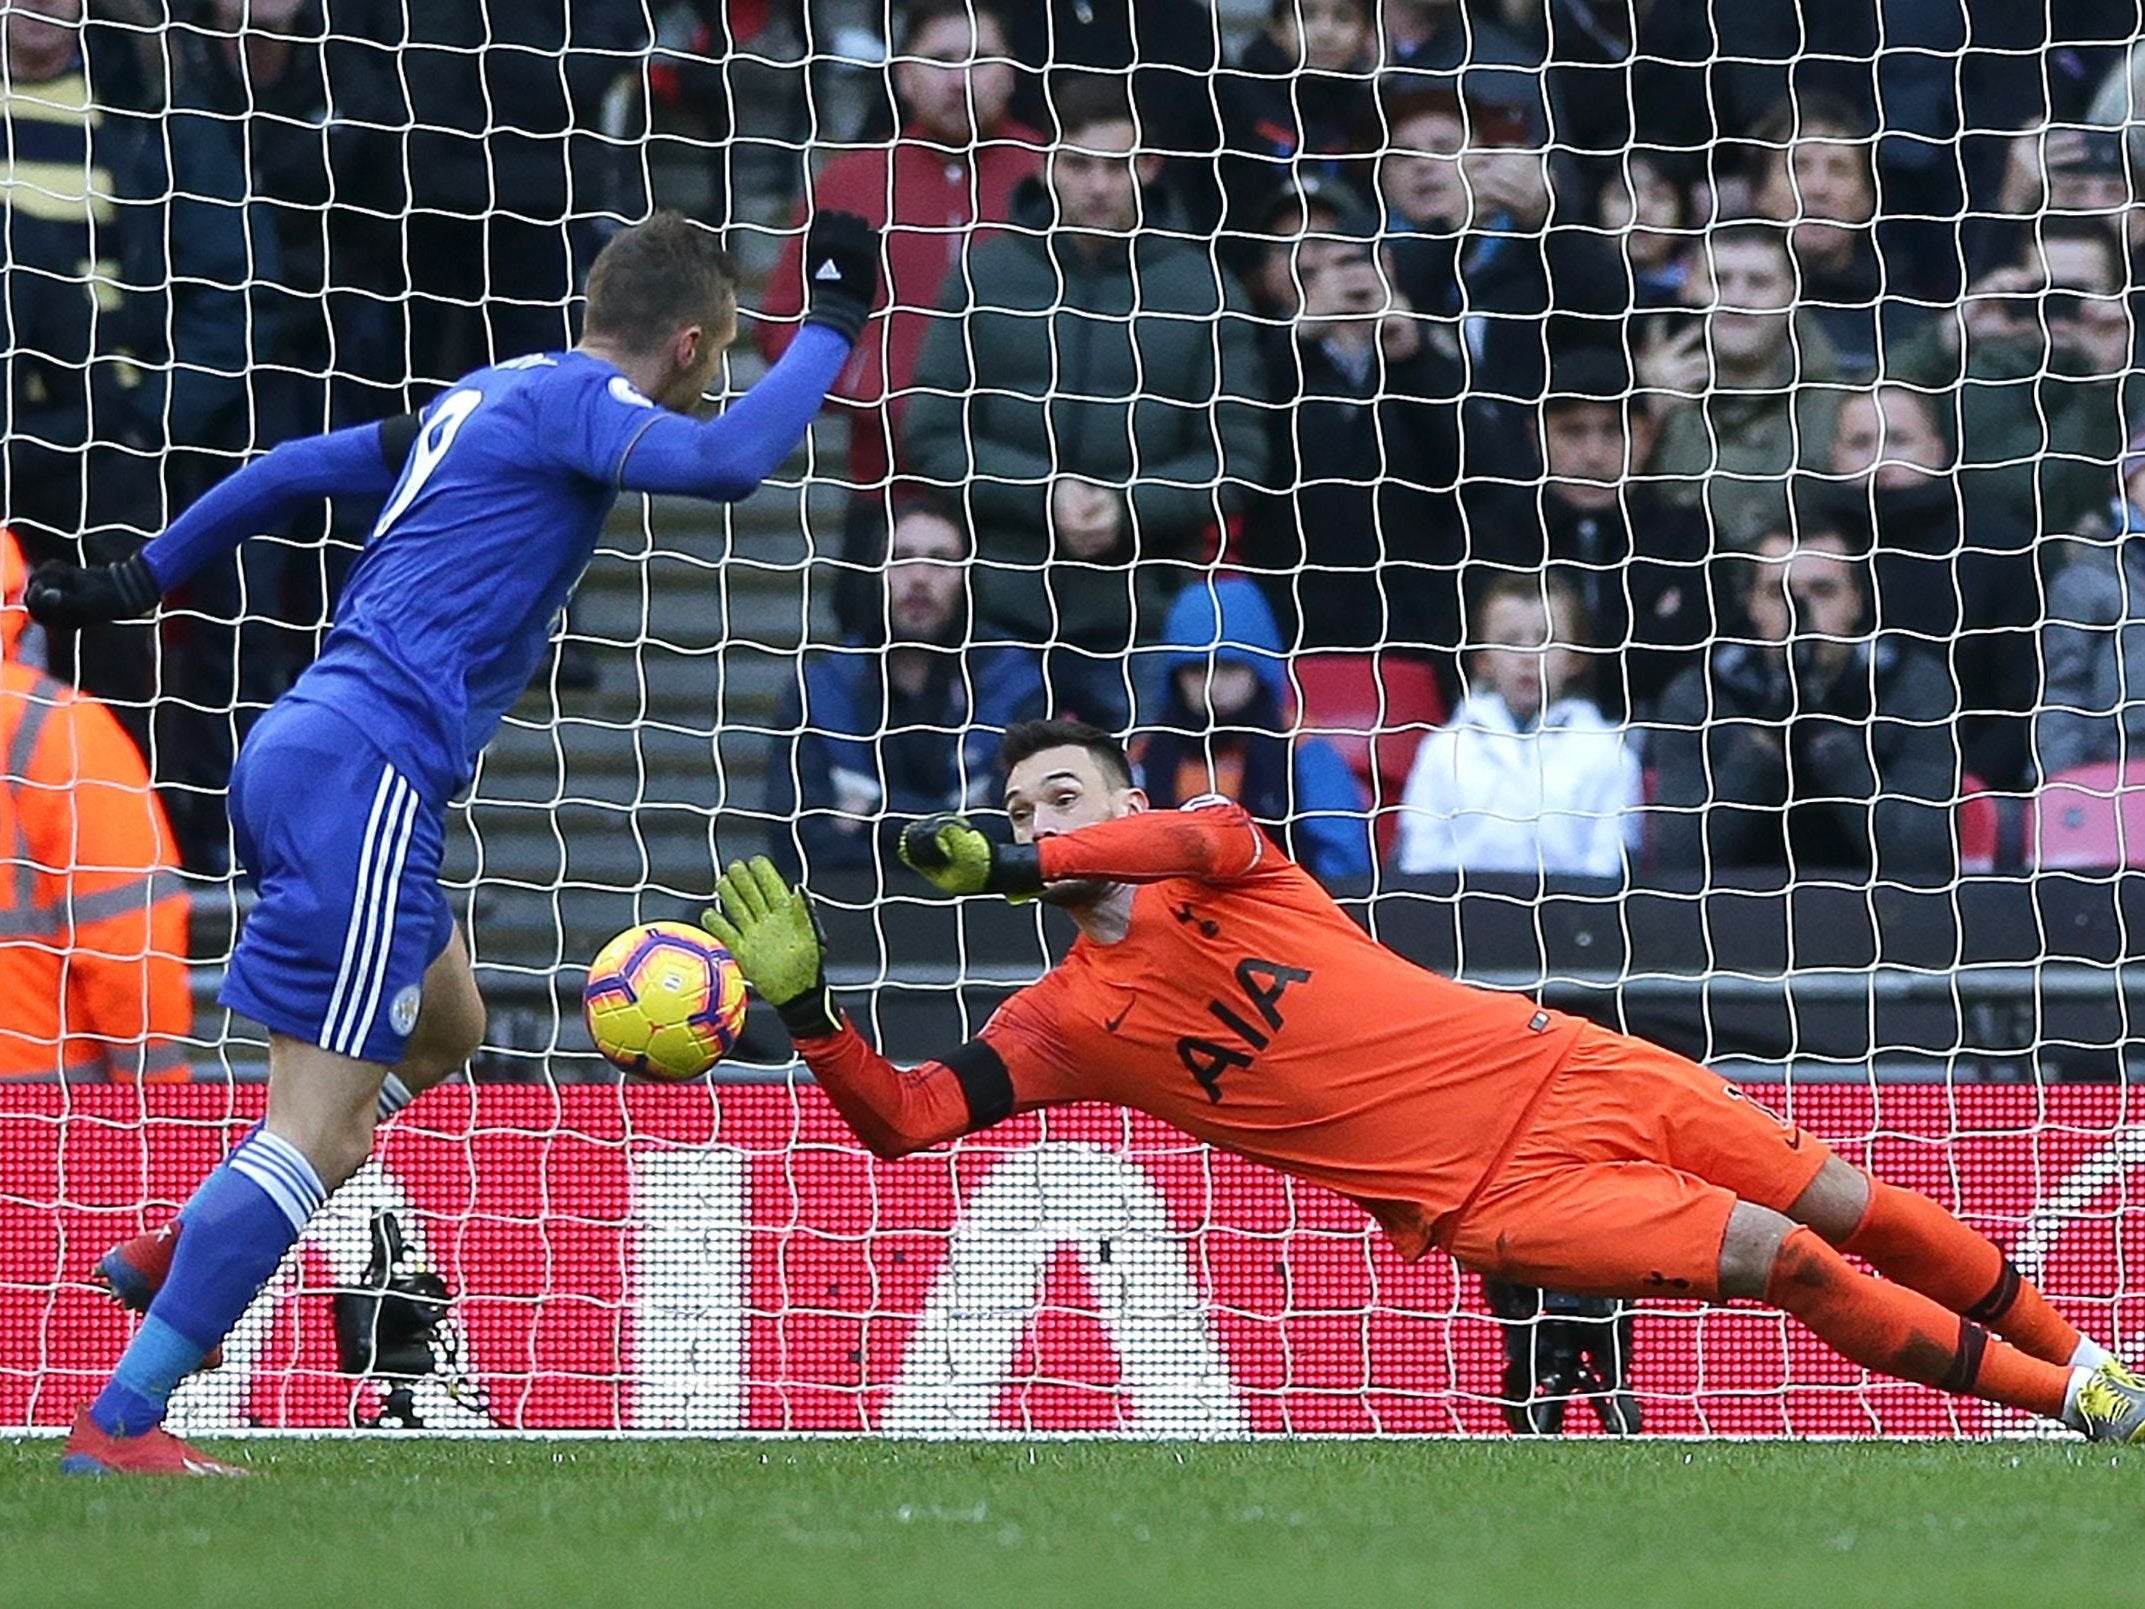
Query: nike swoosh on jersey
[{"x": 1113, "y": 1023}]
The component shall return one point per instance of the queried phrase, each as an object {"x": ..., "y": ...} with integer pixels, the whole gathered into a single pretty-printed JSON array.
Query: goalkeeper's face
[{"x": 1061, "y": 790}]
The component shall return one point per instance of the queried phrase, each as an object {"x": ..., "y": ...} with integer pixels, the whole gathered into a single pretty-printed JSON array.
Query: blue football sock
[
  {"x": 259, "y": 1123},
  {"x": 241, "y": 1221}
]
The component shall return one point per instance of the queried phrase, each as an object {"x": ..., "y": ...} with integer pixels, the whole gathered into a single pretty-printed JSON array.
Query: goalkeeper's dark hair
[
  {"x": 1026, "y": 739},
  {"x": 657, "y": 277}
]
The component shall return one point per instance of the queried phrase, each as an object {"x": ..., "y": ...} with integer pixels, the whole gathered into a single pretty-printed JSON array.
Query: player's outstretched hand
[
  {"x": 956, "y": 857},
  {"x": 841, "y": 271},
  {"x": 73, "y": 595},
  {"x": 771, "y": 929}
]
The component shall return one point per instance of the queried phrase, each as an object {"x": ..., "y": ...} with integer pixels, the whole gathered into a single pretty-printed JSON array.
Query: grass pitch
[{"x": 390, "y": 1523}]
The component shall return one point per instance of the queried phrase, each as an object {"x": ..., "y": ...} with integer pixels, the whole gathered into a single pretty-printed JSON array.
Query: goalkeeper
[
  {"x": 1215, "y": 985},
  {"x": 495, "y": 497}
]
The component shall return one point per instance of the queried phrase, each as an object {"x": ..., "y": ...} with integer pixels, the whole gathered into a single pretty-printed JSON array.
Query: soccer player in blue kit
[{"x": 496, "y": 494}]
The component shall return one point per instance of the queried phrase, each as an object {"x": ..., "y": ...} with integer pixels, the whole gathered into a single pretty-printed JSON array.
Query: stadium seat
[
  {"x": 1375, "y": 708},
  {"x": 2090, "y": 816},
  {"x": 1980, "y": 827}
]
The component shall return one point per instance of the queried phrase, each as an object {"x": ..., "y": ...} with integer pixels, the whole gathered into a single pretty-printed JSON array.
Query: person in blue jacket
[
  {"x": 1224, "y": 730},
  {"x": 899, "y": 720}
]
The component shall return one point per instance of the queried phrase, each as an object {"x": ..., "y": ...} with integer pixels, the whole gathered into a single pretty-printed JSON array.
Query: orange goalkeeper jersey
[{"x": 1246, "y": 1008}]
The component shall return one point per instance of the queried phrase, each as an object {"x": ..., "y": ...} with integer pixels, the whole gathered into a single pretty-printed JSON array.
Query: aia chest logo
[{"x": 1262, "y": 985}]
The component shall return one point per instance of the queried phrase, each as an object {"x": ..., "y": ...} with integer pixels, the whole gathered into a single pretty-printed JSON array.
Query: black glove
[
  {"x": 62, "y": 594},
  {"x": 841, "y": 269}
]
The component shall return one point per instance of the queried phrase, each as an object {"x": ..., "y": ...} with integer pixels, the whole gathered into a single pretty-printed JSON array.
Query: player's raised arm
[
  {"x": 727, "y": 457},
  {"x": 363, "y": 461},
  {"x": 1214, "y": 842},
  {"x": 770, "y": 928}
]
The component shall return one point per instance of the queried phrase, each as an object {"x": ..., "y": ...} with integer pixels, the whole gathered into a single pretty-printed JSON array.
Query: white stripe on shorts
[
  {"x": 380, "y": 797},
  {"x": 372, "y": 916},
  {"x": 400, "y": 845}
]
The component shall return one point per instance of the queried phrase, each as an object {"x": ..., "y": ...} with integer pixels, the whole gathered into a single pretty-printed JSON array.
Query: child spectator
[
  {"x": 1528, "y": 776},
  {"x": 1224, "y": 731}
]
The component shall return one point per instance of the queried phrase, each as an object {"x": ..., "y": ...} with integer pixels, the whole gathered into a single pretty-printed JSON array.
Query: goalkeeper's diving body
[
  {"x": 495, "y": 496},
  {"x": 1215, "y": 985}
]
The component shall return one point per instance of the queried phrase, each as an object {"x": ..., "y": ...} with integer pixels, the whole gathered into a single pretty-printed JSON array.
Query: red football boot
[
  {"x": 135, "y": 1270},
  {"x": 155, "y": 1452}
]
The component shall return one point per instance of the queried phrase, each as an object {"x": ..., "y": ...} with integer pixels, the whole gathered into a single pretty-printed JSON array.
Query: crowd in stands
[
  {"x": 1697, "y": 453},
  {"x": 1720, "y": 457}
]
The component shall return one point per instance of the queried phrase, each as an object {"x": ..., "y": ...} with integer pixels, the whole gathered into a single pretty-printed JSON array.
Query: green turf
[{"x": 390, "y": 1523}]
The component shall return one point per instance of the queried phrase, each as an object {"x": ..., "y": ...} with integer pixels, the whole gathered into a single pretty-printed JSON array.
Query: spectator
[
  {"x": 2052, "y": 171},
  {"x": 1091, "y": 390},
  {"x": 1476, "y": 241},
  {"x": 257, "y": 64},
  {"x": 1955, "y": 576},
  {"x": 92, "y": 916},
  {"x": 1441, "y": 44},
  {"x": 1644, "y": 205},
  {"x": 1295, "y": 106},
  {"x": 1528, "y": 776},
  {"x": 128, "y": 263},
  {"x": 901, "y": 721},
  {"x": 2094, "y": 641},
  {"x": 945, "y": 180},
  {"x": 1299, "y": 226},
  {"x": 1811, "y": 169},
  {"x": 1224, "y": 731},
  {"x": 1679, "y": 76},
  {"x": 1738, "y": 396},
  {"x": 1637, "y": 563},
  {"x": 1361, "y": 544},
  {"x": 465, "y": 156},
  {"x": 2035, "y": 357},
  {"x": 1168, "y": 50},
  {"x": 126, "y": 242},
  {"x": 1815, "y": 745}
]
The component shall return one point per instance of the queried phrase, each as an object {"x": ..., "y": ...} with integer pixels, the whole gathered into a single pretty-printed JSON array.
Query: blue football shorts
[{"x": 345, "y": 854}]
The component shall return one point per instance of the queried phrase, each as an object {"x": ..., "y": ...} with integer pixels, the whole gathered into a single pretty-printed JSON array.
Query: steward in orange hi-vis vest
[
  {"x": 92, "y": 915},
  {"x": 1216, "y": 985}
]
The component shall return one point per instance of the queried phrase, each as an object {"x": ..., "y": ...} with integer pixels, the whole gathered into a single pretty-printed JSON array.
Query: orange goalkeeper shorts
[{"x": 1621, "y": 1181}]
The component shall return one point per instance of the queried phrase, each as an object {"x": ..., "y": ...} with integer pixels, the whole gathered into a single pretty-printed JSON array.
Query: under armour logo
[{"x": 827, "y": 270}]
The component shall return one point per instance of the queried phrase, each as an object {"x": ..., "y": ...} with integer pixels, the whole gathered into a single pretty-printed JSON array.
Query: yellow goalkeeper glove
[
  {"x": 955, "y": 856},
  {"x": 773, "y": 932}
]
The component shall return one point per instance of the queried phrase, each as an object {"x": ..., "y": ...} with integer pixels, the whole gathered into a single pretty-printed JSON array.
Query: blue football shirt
[{"x": 449, "y": 609}]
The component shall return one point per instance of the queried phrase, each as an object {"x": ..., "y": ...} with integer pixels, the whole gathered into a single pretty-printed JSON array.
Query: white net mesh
[{"x": 1641, "y": 507}]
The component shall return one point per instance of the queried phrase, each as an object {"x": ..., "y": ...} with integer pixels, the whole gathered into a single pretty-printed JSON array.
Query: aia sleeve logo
[{"x": 1263, "y": 984}]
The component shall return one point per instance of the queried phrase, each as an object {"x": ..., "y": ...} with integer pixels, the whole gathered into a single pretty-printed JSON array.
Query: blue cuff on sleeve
[{"x": 728, "y": 457}]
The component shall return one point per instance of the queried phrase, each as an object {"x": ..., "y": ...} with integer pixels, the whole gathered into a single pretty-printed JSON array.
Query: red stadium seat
[
  {"x": 1375, "y": 708},
  {"x": 2091, "y": 816},
  {"x": 1980, "y": 827}
]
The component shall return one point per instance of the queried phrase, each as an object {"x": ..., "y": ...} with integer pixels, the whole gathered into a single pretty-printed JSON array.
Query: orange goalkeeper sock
[
  {"x": 1890, "y": 1329},
  {"x": 1909, "y": 1238}
]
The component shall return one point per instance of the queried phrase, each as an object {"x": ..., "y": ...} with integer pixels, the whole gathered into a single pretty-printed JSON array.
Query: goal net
[{"x": 1643, "y": 511}]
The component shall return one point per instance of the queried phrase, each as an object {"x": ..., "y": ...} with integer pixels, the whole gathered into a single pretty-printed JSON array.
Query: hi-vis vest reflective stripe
[{"x": 92, "y": 953}]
